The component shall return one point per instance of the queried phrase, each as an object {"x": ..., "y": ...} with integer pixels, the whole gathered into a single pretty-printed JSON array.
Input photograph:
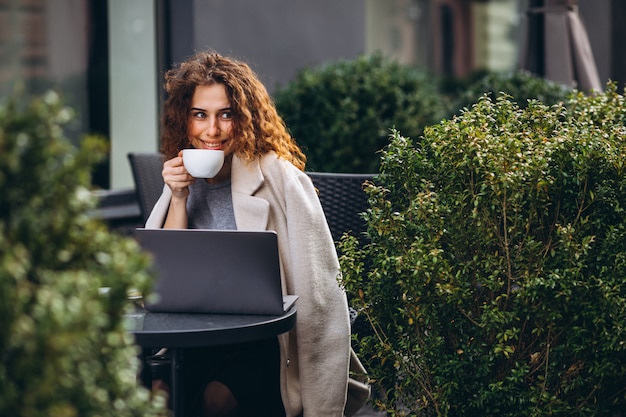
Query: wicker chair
[
  {"x": 146, "y": 168},
  {"x": 342, "y": 199}
]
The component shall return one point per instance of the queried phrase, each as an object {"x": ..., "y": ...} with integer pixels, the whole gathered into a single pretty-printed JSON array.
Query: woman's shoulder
[
  {"x": 272, "y": 164},
  {"x": 280, "y": 173}
]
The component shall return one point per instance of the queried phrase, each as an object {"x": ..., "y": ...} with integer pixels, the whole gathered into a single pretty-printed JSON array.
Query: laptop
[{"x": 215, "y": 271}]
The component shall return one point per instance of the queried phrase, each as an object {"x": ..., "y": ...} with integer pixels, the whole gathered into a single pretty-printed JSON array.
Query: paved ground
[{"x": 368, "y": 411}]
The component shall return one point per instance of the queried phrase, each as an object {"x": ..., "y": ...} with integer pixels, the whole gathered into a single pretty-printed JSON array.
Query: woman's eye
[
  {"x": 199, "y": 115},
  {"x": 226, "y": 115}
]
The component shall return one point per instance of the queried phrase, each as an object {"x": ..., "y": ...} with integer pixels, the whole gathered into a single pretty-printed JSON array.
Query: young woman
[{"x": 216, "y": 102}]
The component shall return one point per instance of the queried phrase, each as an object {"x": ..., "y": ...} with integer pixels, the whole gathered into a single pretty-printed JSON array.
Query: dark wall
[
  {"x": 618, "y": 63},
  {"x": 276, "y": 37}
]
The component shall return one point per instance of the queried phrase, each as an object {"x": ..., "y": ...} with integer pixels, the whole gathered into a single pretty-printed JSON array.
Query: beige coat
[{"x": 272, "y": 194}]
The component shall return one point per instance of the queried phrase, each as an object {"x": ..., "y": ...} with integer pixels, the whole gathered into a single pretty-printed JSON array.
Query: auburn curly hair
[{"x": 257, "y": 127}]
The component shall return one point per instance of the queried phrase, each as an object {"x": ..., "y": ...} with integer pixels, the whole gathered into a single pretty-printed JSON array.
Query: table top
[{"x": 188, "y": 330}]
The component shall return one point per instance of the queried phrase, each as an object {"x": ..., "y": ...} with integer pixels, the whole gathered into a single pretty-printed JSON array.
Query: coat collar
[{"x": 251, "y": 213}]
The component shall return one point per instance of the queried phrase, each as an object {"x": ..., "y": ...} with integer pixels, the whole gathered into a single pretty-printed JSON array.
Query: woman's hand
[{"x": 176, "y": 177}]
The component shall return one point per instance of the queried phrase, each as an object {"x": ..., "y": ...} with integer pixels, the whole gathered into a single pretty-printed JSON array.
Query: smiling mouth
[{"x": 213, "y": 145}]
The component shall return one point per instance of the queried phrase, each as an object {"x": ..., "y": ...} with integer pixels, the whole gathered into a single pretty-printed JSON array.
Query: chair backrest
[
  {"x": 146, "y": 168},
  {"x": 341, "y": 195},
  {"x": 343, "y": 198}
]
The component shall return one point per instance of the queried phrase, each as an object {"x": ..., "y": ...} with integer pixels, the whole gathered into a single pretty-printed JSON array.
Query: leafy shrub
[
  {"x": 493, "y": 270},
  {"x": 63, "y": 347},
  {"x": 341, "y": 113},
  {"x": 520, "y": 85}
]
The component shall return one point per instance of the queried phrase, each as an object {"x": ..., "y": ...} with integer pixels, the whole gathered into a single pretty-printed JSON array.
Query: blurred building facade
[{"x": 108, "y": 56}]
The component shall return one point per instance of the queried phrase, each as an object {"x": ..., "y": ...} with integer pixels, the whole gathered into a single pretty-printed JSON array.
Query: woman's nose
[{"x": 213, "y": 127}]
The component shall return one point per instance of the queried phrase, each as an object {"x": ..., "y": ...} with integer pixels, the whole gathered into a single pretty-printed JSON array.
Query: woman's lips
[{"x": 213, "y": 145}]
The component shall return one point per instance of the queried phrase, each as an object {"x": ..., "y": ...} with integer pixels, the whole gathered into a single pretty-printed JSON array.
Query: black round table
[{"x": 178, "y": 331}]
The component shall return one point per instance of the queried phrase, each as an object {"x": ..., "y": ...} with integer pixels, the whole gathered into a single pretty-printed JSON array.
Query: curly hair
[{"x": 257, "y": 127}]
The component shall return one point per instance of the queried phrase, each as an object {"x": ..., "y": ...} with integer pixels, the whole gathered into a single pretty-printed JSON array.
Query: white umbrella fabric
[{"x": 557, "y": 46}]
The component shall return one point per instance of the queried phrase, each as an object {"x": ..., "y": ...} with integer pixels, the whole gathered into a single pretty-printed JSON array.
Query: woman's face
[{"x": 210, "y": 118}]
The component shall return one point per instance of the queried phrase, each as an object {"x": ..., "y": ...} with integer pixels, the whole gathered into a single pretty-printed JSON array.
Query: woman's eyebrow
[{"x": 203, "y": 110}]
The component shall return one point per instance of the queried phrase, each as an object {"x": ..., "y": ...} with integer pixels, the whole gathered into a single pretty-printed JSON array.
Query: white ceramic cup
[{"x": 203, "y": 163}]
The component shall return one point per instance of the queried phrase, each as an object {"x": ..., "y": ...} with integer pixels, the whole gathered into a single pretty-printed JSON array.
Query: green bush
[
  {"x": 520, "y": 85},
  {"x": 493, "y": 270},
  {"x": 341, "y": 113},
  {"x": 63, "y": 348}
]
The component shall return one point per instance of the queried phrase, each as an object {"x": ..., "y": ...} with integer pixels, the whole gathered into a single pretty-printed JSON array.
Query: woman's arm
[
  {"x": 176, "y": 214},
  {"x": 323, "y": 327}
]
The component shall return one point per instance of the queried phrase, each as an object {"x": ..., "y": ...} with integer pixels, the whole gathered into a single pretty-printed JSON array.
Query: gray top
[{"x": 210, "y": 206}]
